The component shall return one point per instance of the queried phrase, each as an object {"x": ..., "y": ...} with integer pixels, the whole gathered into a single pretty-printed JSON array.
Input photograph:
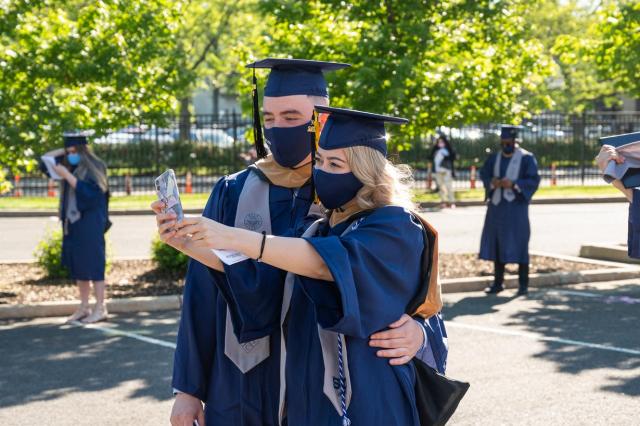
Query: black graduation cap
[
  {"x": 74, "y": 138},
  {"x": 347, "y": 127},
  {"x": 508, "y": 131},
  {"x": 289, "y": 77},
  {"x": 630, "y": 176}
]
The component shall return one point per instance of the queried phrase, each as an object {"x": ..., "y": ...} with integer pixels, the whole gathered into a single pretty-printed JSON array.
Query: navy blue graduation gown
[
  {"x": 83, "y": 247},
  {"x": 506, "y": 231},
  {"x": 633, "y": 238},
  {"x": 201, "y": 367},
  {"x": 377, "y": 270}
]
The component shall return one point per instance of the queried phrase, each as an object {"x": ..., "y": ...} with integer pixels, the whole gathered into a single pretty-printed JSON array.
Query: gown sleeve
[
  {"x": 193, "y": 358},
  {"x": 633, "y": 239},
  {"x": 253, "y": 290},
  {"x": 486, "y": 174},
  {"x": 529, "y": 177},
  {"x": 436, "y": 349},
  {"x": 88, "y": 195},
  {"x": 376, "y": 270}
]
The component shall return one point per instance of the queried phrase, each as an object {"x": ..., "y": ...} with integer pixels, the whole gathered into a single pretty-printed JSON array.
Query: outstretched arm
[
  {"x": 289, "y": 254},
  {"x": 608, "y": 153}
]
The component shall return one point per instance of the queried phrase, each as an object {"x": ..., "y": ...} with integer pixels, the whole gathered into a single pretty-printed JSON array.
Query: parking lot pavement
[{"x": 562, "y": 356}]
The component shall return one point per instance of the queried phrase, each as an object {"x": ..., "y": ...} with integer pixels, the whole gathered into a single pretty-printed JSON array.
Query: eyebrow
[
  {"x": 290, "y": 111},
  {"x": 336, "y": 158}
]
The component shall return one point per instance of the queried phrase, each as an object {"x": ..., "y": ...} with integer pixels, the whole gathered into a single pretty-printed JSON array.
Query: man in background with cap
[
  {"x": 219, "y": 360},
  {"x": 510, "y": 179}
]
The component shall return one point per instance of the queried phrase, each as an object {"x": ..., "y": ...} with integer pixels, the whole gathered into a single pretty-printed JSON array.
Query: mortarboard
[
  {"x": 509, "y": 131},
  {"x": 346, "y": 127},
  {"x": 629, "y": 171},
  {"x": 289, "y": 77},
  {"x": 74, "y": 138}
]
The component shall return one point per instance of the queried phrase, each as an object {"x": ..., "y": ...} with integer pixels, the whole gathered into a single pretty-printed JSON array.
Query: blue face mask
[
  {"x": 73, "y": 159},
  {"x": 508, "y": 149},
  {"x": 335, "y": 189},
  {"x": 289, "y": 145}
]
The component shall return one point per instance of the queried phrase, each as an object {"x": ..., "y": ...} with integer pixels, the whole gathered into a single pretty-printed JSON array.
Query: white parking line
[
  {"x": 607, "y": 298},
  {"x": 116, "y": 332},
  {"x": 537, "y": 337}
]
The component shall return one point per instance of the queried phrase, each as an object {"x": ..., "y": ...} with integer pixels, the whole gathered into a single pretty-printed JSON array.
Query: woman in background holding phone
[{"x": 84, "y": 196}]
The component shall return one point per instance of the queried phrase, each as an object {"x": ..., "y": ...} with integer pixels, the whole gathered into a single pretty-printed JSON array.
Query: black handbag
[{"x": 437, "y": 396}]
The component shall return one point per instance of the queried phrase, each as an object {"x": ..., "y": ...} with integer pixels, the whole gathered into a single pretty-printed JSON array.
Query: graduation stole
[
  {"x": 512, "y": 173},
  {"x": 428, "y": 301}
]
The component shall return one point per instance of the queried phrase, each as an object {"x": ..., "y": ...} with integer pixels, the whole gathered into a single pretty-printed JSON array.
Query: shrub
[
  {"x": 49, "y": 255},
  {"x": 168, "y": 259}
]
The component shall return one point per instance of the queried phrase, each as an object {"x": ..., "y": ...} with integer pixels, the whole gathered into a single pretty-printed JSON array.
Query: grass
[
  {"x": 131, "y": 202},
  {"x": 544, "y": 192},
  {"x": 197, "y": 201}
]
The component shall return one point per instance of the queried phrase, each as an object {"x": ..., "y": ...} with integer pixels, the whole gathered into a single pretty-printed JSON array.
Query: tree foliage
[
  {"x": 617, "y": 43},
  {"x": 77, "y": 64},
  {"x": 437, "y": 63},
  {"x": 564, "y": 28}
]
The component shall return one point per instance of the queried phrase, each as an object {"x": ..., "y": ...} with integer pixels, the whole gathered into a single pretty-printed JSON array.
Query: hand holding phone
[{"x": 167, "y": 189}]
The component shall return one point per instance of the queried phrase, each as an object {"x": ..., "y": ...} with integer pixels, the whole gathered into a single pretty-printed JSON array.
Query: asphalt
[
  {"x": 559, "y": 228},
  {"x": 562, "y": 356}
]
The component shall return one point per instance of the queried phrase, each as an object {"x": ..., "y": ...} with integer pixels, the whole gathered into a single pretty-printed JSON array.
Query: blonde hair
[
  {"x": 93, "y": 167},
  {"x": 384, "y": 183}
]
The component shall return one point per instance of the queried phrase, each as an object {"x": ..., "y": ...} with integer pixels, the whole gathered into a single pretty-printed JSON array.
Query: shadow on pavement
[
  {"x": 45, "y": 361},
  {"x": 611, "y": 318}
]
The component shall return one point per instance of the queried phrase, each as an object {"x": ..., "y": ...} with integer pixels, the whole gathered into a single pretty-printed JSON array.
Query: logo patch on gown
[
  {"x": 249, "y": 346},
  {"x": 253, "y": 221}
]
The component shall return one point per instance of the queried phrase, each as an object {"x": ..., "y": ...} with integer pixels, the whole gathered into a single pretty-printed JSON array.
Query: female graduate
[
  {"x": 626, "y": 179},
  {"x": 84, "y": 216},
  {"x": 349, "y": 277}
]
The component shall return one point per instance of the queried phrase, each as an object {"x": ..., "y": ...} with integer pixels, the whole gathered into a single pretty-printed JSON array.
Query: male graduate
[
  {"x": 510, "y": 179},
  {"x": 233, "y": 369},
  {"x": 619, "y": 162}
]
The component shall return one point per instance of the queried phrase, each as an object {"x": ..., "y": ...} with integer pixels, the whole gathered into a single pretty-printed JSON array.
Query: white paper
[
  {"x": 229, "y": 257},
  {"x": 50, "y": 162}
]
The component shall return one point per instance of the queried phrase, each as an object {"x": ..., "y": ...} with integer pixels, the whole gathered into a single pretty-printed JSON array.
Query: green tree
[
  {"x": 78, "y": 64},
  {"x": 617, "y": 43},
  {"x": 563, "y": 27},
  {"x": 217, "y": 38},
  {"x": 437, "y": 63}
]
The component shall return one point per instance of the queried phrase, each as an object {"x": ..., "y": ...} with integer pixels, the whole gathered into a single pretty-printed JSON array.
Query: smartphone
[{"x": 167, "y": 189}]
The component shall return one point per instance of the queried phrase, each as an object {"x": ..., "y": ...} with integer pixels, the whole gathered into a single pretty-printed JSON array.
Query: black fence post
[
  {"x": 583, "y": 147},
  {"x": 157, "y": 150}
]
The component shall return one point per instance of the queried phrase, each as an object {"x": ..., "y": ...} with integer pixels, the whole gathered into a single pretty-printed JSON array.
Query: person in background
[
  {"x": 442, "y": 159},
  {"x": 626, "y": 179},
  {"x": 510, "y": 179},
  {"x": 84, "y": 194}
]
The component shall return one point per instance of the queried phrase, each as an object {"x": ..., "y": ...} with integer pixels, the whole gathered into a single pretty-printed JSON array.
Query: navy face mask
[
  {"x": 335, "y": 189},
  {"x": 508, "y": 149},
  {"x": 289, "y": 145}
]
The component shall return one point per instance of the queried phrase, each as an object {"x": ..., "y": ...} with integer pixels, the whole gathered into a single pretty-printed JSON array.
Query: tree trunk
[{"x": 185, "y": 119}]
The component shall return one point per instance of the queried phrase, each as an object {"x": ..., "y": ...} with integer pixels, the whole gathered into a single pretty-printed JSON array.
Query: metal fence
[{"x": 201, "y": 148}]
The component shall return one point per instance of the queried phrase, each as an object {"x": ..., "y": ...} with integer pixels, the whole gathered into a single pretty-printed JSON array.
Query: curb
[
  {"x": 66, "y": 308},
  {"x": 455, "y": 285},
  {"x": 461, "y": 285},
  {"x": 609, "y": 252},
  {"x": 49, "y": 213},
  {"x": 575, "y": 200}
]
